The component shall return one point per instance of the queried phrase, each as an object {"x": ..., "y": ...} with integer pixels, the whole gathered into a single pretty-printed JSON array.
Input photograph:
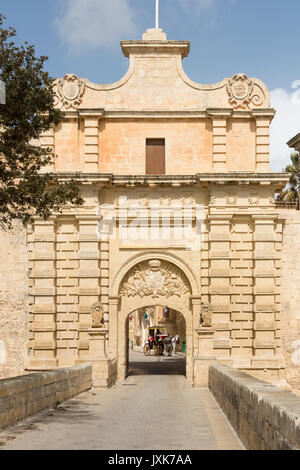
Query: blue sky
[{"x": 258, "y": 37}]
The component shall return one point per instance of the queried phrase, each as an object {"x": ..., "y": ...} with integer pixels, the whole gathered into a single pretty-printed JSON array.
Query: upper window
[{"x": 155, "y": 157}]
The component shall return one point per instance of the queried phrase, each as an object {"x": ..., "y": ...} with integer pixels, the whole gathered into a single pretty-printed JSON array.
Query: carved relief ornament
[
  {"x": 143, "y": 200},
  {"x": 231, "y": 199},
  {"x": 155, "y": 278},
  {"x": 70, "y": 91},
  {"x": 243, "y": 91},
  {"x": 165, "y": 200},
  {"x": 253, "y": 199},
  {"x": 188, "y": 200}
]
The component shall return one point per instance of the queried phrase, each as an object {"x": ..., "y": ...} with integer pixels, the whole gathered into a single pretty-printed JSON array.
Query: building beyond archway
[{"x": 144, "y": 357}]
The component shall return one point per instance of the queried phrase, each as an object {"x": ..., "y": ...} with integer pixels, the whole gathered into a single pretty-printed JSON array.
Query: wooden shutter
[{"x": 155, "y": 157}]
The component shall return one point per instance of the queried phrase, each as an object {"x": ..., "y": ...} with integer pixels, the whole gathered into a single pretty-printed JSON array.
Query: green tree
[
  {"x": 28, "y": 112},
  {"x": 291, "y": 193}
]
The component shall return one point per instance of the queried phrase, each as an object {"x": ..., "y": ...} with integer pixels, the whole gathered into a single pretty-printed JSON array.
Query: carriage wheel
[
  {"x": 147, "y": 350},
  {"x": 169, "y": 350},
  {"x": 156, "y": 350}
]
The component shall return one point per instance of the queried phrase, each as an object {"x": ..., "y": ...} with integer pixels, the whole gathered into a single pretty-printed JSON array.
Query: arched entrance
[
  {"x": 146, "y": 354},
  {"x": 153, "y": 279}
]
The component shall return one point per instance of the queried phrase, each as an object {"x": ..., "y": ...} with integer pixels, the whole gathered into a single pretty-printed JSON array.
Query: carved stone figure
[
  {"x": 97, "y": 313},
  {"x": 155, "y": 278},
  {"x": 206, "y": 315}
]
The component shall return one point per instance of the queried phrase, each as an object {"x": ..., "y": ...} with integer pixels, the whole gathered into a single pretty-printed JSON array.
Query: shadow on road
[{"x": 159, "y": 366}]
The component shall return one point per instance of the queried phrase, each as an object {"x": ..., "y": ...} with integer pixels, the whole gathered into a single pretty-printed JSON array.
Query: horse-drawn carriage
[{"x": 159, "y": 341}]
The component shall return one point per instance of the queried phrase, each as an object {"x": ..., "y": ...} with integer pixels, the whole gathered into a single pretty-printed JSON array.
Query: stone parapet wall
[
  {"x": 264, "y": 416},
  {"x": 24, "y": 396}
]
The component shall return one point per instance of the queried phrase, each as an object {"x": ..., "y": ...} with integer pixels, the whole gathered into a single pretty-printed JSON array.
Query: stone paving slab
[{"x": 155, "y": 411}]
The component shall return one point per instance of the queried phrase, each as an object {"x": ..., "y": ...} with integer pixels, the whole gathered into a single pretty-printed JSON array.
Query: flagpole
[{"x": 157, "y": 9}]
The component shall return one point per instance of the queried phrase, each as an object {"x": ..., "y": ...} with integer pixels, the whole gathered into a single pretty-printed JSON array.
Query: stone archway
[{"x": 152, "y": 279}]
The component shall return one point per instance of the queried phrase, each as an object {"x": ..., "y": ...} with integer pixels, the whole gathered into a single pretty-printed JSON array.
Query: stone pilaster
[
  {"x": 113, "y": 325},
  {"x": 220, "y": 282},
  {"x": 241, "y": 291},
  {"x": 104, "y": 272},
  {"x": 219, "y": 135},
  {"x": 101, "y": 364},
  {"x": 196, "y": 302},
  {"x": 91, "y": 139},
  {"x": 89, "y": 275},
  {"x": 47, "y": 141},
  {"x": 67, "y": 291},
  {"x": 264, "y": 291},
  {"x": 262, "y": 140},
  {"x": 204, "y": 357},
  {"x": 42, "y": 258}
]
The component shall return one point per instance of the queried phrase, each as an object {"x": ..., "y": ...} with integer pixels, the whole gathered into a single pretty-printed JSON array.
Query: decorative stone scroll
[
  {"x": 206, "y": 315},
  {"x": 243, "y": 91},
  {"x": 70, "y": 91},
  {"x": 155, "y": 278}
]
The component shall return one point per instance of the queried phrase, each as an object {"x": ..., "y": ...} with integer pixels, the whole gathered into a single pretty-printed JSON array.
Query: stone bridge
[{"x": 154, "y": 408}]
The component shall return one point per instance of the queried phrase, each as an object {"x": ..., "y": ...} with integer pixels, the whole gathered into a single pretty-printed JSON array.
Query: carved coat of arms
[
  {"x": 240, "y": 91},
  {"x": 70, "y": 90},
  {"x": 155, "y": 278}
]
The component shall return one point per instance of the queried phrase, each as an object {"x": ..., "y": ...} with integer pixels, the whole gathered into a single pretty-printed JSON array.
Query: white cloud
[
  {"x": 91, "y": 24},
  {"x": 195, "y": 6},
  {"x": 285, "y": 125}
]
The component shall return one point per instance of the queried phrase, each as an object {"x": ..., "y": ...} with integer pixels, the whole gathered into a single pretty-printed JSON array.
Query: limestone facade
[{"x": 217, "y": 175}]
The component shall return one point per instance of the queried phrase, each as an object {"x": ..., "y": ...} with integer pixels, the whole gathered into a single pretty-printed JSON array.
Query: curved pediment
[{"x": 155, "y": 80}]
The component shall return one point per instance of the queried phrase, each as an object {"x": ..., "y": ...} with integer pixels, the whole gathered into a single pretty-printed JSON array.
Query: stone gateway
[{"x": 179, "y": 212}]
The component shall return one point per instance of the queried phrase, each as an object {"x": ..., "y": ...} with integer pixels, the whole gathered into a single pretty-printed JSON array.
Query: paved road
[{"x": 156, "y": 411}]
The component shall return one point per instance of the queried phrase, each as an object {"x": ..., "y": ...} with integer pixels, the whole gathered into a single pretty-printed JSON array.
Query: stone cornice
[
  {"x": 156, "y": 47},
  {"x": 155, "y": 114},
  {"x": 211, "y": 113},
  {"x": 294, "y": 142},
  {"x": 91, "y": 112},
  {"x": 177, "y": 180},
  {"x": 244, "y": 177}
]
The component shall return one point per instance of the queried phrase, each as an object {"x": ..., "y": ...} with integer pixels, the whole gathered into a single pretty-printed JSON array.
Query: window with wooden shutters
[{"x": 155, "y": 157}]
